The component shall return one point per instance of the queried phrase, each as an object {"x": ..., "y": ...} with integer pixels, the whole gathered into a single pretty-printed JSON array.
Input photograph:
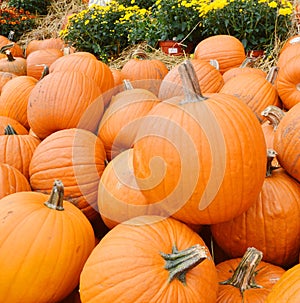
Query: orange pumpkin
[
  {"x": 122, "y": 119},
  {"x": 168, "y": 260},
  {"x": 287, "y": 289},
  {"x": 271, "y": 224},
  {"x": 37, "y": 44},
  {"x": 17, "y": 150},
  {"x": 144, "y": 72},
  {"x": 209, "y": 78},
  {"x": 16, "y": 49},
  {"x": 227, "y": 50},
  {"x": 191, "y": 151},
  {"x": 19, "y": 128},
  {"x": 12, "y": 64},
  {"x": 64, "y": 99},
  {"x": 50, "y": 239},
  {"x": 14, "y": 98},
  {"x": 4, "y": 78},
  {"x": 76, "y": 157},
  {"x": 12, "y": 180},
  {"x": 287, "y": 143},
  {"x": 247, "y": 279},
  {"x": 37, "y": 60}
]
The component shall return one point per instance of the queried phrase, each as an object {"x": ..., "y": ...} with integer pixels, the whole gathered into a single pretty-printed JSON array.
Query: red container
[{"x": 173, "y": 48}]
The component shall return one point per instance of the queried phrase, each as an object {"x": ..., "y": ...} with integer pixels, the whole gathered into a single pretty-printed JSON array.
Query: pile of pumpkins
[{"x": 149, "y": 184}]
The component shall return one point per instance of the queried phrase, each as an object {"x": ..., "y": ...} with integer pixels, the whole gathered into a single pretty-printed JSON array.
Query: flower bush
[
  {"x": 102, "y": 30},
  {"x": 15, "y": 20},
  {"x": 36, "y": 7},
  {"x": 256, "y": 23}
]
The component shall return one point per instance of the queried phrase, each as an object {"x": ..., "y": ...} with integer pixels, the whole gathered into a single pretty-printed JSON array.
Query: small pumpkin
[
  {"x": 247, "y": 279},
  {"x": 17, "y": 126},
  {"x": 50, "y": 239},
  {"x": 37, "y": 44},
  {"x": 4, "y": 78},
  {"x": 168, "y": 261},
  {"x": 16, "y": 49}
]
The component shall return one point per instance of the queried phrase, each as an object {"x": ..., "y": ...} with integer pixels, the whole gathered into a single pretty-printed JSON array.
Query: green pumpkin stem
[
  {"x": 178, "y": 263},
  {"x": 9, "y": 130},
  {"x": 190, "y": 84},
  {"x": 56, "y": 197},
  {"x": 243, "y": 277}
]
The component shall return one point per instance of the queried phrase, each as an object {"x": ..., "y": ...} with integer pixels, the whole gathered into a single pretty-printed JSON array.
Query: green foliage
[
  {"x": 33, "y": 6},
  {"x": 140, "y": 3},
  {"x": 257, "y": 24},
  {"x": 15, "y": 20}
]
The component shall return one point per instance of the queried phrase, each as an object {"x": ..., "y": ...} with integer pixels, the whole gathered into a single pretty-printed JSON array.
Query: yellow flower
[
  {"x": 272, "y": 4},
  {"x": 86, "y": 22}
]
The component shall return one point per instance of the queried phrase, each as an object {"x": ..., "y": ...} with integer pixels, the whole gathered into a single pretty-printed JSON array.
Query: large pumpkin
[
  {"x": 247, "y": 279},
  {"x": 200, "y": 158},
  {"x": 165, "y": 259},
  {"x": 287, "y": 143},
  {"x": 227, "y": 50},
  {"x": 45, "y": 242},
  {"x": 64, "y": 99},
  {"x": 76, "y": 157},
  {"x": 271, "y": 224}
]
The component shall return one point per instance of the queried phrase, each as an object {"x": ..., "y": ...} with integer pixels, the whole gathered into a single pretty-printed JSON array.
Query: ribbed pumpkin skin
[
  {"x": 4, "y": 78},
  {"x": 14, "y": 98},
  {"x": 122, "y": 118},
  {"x": 17, "y": 151},
  {"x": 63, "y": 100},
  {"x": 87, "y": 63},
  {"x": 43, "y": 250},
  {"x": 177, "y": 164},
  {"x": 119, "y": 198},
  {"x": 287, "y": 289},
  {"x": 266, "y": 277},
  {"x": 287, "y": 143},
  {"x": 233, "y": 72},
  {"x": 19, "y": 128},
  {"x": 34, "y": 45},
  {"x": 37, "y": 59},
  {"x": 76, "y": 157},
  {"x": 12, "y": 180},
  {"x": 17, "y": 66},
  {"x": 287, "y": 83},
  {"x": 271, "y": 224},
  {"x": 16, "y": 50},
  {"x": 210, "y": 80},
  {"x": 287, "y": 54},
  {"x": 227, "y": 50},
  {"x": 131, "y": 254},
  {"x": 256, "y": 91}
]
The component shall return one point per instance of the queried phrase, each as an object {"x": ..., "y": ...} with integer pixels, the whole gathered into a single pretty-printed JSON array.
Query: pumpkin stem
[
  {"x": 140, "y": 54},
  {"x": 45, "y": 71},
  {"x": 57, "y": 196},
  {"x": 178, "y": 263},
  {"x": 214, "y": 63},
  {"x": 6, "y": 47},
  {"x": 272, "y": 74},
  {"x": 127, "y": 84},
  {"x": 190, "y": 84},
  {"x": 271, "y": 154},
  {"x": 248, "y": 62},
  {"x": 9, "y": 55},
  {"x": 244, "y": 276},
  {"x": 273, "y": 114},
  {"x": 9, "y": 130}
]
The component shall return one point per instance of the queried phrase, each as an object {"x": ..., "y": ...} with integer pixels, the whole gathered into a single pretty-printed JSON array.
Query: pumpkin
[
  {"x": 144, "y": 72},
  {"x": 17, "y": 150},
  {"x": 50, "y": 239},
  {"x": 288, "y": 53},
  {"x": 15, "y": 49},
  {"x": 4, "y": 78},
  {"x": 209, "y": 78},
  {"x": 37, "y": 44},
  {"x": 287, "y": 83},
  {"x": 287, "y": 143},
  {"x": 247, "y": 279},
  {"x": 14, "y": 98},
  {"x": 39, "y": 58},
  {"x": 12, "y": 180},
  {"x": 121, "y": 120},
  {"x": 119, "y": 198},
  {"x": 12, "y": 64},
  {"x": 76, "y": 157},
  {"x": 64, "y": 99},
  {"x": 245, "y": 67},
  {"x": 287, "y": 289},
  {"x": 191, "y": 151},
  {"x": 271, "y": 224},
  {"x": 227, "y": 50},
  {"x": 168, "y": 261},
  {"x": 256, "y": 91},
  {"x": 89, "y": 65},
  {"x": 17, "y": 126}
]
